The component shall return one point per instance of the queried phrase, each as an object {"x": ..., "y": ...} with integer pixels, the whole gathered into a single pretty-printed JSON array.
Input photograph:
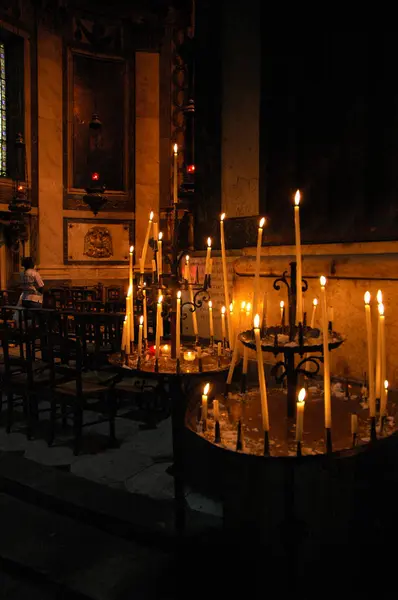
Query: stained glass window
[{"x": 3, "y": 128}]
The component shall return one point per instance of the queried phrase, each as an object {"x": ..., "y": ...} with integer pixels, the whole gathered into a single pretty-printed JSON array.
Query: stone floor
[{"x": 139, "y": 465}]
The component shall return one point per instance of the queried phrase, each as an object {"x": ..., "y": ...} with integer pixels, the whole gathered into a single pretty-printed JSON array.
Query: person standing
[{"x": 32, "y": 285}]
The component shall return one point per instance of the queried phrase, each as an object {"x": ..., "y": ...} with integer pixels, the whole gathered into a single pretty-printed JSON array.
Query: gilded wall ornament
[{"x": 98, "y": 243}]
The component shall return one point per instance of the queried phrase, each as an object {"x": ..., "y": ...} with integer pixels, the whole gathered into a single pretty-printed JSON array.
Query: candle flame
[
  {"x": 125, "y": 318},
  {"x": 248, "y": 307},
  {"x": 379, "y": 296},
  {"x": 175, "y": 148},
  {"x": 315, "y": 302},
  {"x": 131, "y": 249},
  {"x": 261, "y": 224},
  {"x": 322, "y": 279},
  {"x": 381, "y": 309},
  {"x": 160, "y": 236},
  {"x": 385, "y": 384},
  {"x": 222, "y": 217},
  {"x": 129, "y": 291},
  {"x": 281, "y": 304},
  {"x": 297, "y": 198},
  {"x": 179, "y": 294},
  {"x": 223, "y": 310},
  {"x": 367, "y": 297},
  {"x": 141, "y": 319},
  {"x": 231, "y": 308},
  {"x": 187, "y": 258},
  {"x": 160, "y": 299},
  {"x": 301, "y": 395},
  {"x": 209, "y": 242},
  {"x": 210, "y": 304},
  {"x": 256, "y": 321},
  {"x": 151, "y": 215},
  {"x": 206, "y": 389},
  {"x": 243, "y": 305}
]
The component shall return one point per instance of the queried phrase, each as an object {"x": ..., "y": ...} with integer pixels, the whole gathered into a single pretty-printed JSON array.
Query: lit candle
[
  {"x": 383, "y": 403},
  {"x": 326, "y": 361},
  {"x": 299, "y": 292},
  {"x": 124, "y": 335},
  {"x": 186, "y": 268},
  {"x": 178, "y": 325},
  {"x": 371, "y": 373},
  {"x": 211, "y": 324},
  {"x": 140, "y": 331},
  {"x": 223, "y": 332},
  {"x": 230, "y": 314},
  {"x": 146, "y": 241},
  {"x": 145, "y": 313},
  {"x": 381, "y": 367},
  {"x": 378, "y": 349},
  {"x": 189, "y": 356},
  {"x": 158, "y": 325},
  {"x": 160, "y": 258},
  {"x": 216, "y": 410},
  {"x": 175, "y": 177},
  {"x": 261, "y": 376},
  {"x": 161, "y": 318},
  {"x": 300, "y": 415},
  {"x": 131, "y": 267},
  {"x": 208, "y": 255},
  {"x": 314, "y": 305},
  {"x": 204, "y": 401},
  {"x": 225, "y": 279},
  {"x": 282, "y": 307},
  {"x": 257, "y": 271}
]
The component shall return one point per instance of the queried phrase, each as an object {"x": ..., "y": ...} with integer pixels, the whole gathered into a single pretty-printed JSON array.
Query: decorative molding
[{"x": 69, "y": 222}]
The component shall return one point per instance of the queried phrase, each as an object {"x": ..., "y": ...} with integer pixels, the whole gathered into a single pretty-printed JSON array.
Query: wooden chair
[{"x": 76, "y": 393}]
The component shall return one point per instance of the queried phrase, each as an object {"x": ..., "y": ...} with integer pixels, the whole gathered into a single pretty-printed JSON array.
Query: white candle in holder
[
  {"x": 223, "y": 332},
  {"x": 146, "y": 241},
  {"x": 216, "y": 410},
  {"x": 257, "y": 269},
  {"x": 326, "y": 358},
  {"x": 131, "y": 266},
  {"x": 299, "y": 292},
  {"x": 124, "y": 335},
  {"x": 208, "y": 256},
  {"x": 140, "y": 333},
  {"x": 231, "y": 334},
  {"x": 384, "y": 397},
  {"x": 371, "y": 373},
  {"x": 145, "y": 313},
  {"x": 175, "y": 174},
  {"x": 219, "y": 349},
  {"x": 378, "y": 348},
  {"x": 261, "y": 376},
  {"x": 225, "y": 279},
  {"x": 191, "y": 299},
  {"x": 178, "y": 325},
  {"x": 381, "y": 367},
  {"x": 160, "y": 257},
  {"x": 158, "y": 325},
  {"x": 211, "y": 324},
  {"x": 186, "y": 268},
  {"x": 314, "y": 306},
  {"x": 300, "y": 415},
  {"x": 204, "y": 401}
]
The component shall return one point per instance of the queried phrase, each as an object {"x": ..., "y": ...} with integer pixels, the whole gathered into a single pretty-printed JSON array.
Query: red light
[
  {"x": 95, "y": 176},
  {"x": 191, "y": 168},
  {"x": 20, "y": 188}
]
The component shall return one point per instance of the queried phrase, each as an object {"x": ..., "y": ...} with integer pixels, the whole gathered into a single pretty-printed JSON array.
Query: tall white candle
[
  {"x": 160, "y": 257},
  {"x": 326, "y": 358},
  {"x": 257, "y": 271},
  {"x": 124, "y": 335},
  {"x": 208, "y": 256},
  {"x": 225, "y": 279},
  {"x": 178, "y": 325},
  {"x": 204, "y": 401},
  {"x": 231, "y": 328},
  {"x": 381, "y": 367},
  {"x": 261, "y": 376},
  {"x": 384, "y": 397},
  {"x": 155, "y": 230},
  {"x": 378, "y": 348},
  {"x": 223, "y": 332},
  {"x": 145, "y": 313},
  {"x": 282, "y": 308},
  {"x": 314, "y": 306},
  {"x": 248, "y": 316},
  {"x": 146, "y": 241},
  {"x": 371, "y": 372},
  {"x": 299, "y": 307},
  {"x": 140, "y": 333},
  {"x": 211, "y": 324},
  {"x": 186, "y": 268},
  {"x": 191, "y": 299},
  {"x": 216, "y": 410},
  {"x": 158, "y": 325},
  {"x": 257, "y": 268},
  {"x": 131, "y": 266},
  {"x": 300, "y": 415},
  {"x": 175, "y": 175}
]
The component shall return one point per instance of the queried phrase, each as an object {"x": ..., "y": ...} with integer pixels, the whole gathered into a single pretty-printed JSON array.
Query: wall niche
[{"x": 98, "y": 86}]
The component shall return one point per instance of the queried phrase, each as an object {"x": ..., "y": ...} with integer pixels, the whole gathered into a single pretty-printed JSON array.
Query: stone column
[
  {"x": 146, "y": 144},
  {"x": 50, "y": 152},
  {"x": 241, "y": 76}
]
